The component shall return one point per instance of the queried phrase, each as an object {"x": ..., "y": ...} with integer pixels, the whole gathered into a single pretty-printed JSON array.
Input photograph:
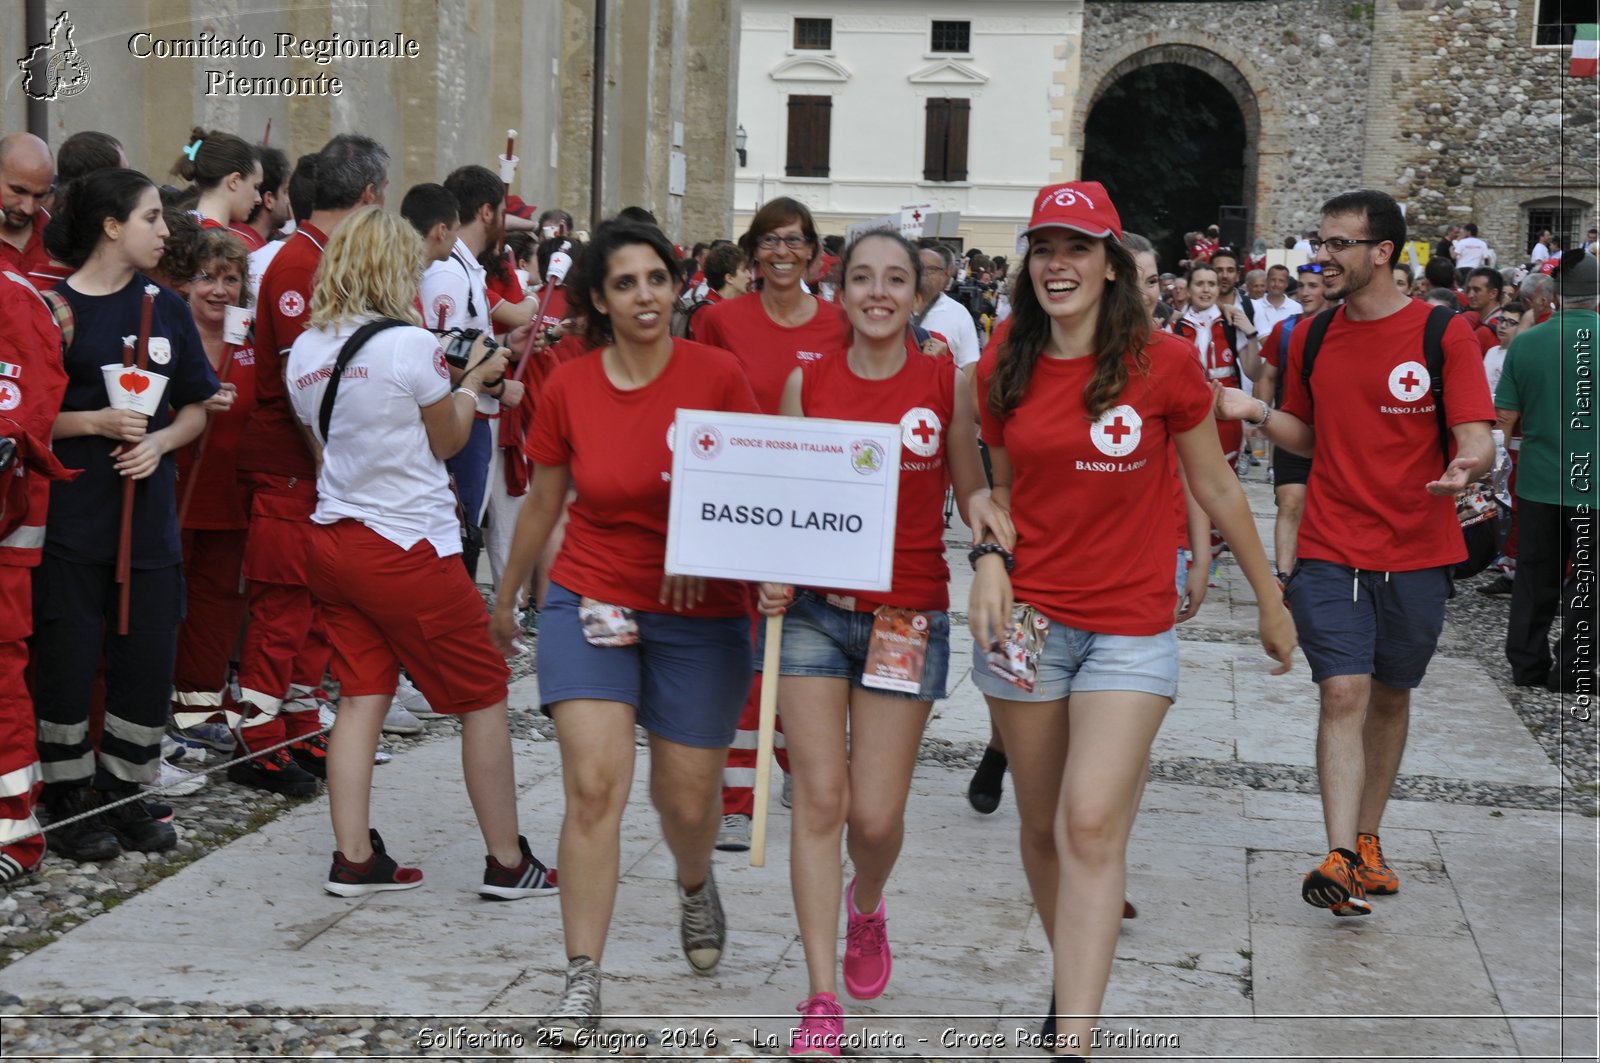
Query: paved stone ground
[{"x": 1489, "y": 944}]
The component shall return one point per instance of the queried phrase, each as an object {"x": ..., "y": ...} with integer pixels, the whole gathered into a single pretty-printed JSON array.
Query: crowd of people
[{"x": 310, "y": 498}]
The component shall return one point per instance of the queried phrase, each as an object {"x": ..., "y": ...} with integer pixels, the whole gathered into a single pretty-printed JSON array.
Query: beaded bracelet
[{"x": 990, "y": 548}]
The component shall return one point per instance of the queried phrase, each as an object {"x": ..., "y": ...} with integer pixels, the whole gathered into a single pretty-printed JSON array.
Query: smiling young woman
[{"x": 1079, "y": 403}]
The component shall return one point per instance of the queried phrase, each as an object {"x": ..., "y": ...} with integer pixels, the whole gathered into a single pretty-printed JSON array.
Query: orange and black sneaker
[
  {"x": 1334, "y": 884},
  {"x": 311, "y": 753},
  {"x": 1374, "y": 872}
]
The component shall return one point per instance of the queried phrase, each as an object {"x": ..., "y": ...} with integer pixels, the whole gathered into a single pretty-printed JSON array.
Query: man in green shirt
[{"x": 1549, "y": 385}]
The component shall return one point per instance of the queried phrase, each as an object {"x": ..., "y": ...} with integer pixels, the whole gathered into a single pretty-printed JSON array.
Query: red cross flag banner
[
  {"x": 803, "y": 501},
  {"x": 1585, "y": 61}
]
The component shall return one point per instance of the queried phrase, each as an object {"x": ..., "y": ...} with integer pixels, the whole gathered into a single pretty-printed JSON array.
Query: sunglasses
[{"x": 1310, "y": 267}]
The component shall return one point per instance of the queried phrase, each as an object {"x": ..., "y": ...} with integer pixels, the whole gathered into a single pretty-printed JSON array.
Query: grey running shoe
[
  {"x": 577, "y": 1018},
  {"x": 703, "y": 929},
  {"x": 734, "y": 835}
]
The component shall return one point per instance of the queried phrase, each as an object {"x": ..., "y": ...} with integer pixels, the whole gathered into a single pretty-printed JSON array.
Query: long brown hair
[{"x": 1121, "y": 328}]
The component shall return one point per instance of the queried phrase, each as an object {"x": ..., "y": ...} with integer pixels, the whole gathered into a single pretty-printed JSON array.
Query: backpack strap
[
  {"x": 1433, "y": 357},
  {"x": 346, "y": 353},
  {"x": 61, "y": 310},
  {"x": 1283, "y": 353},
  {"x": 1308, "y": 357}
]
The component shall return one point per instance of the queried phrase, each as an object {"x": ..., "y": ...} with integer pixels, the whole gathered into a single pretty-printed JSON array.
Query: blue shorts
[
  {"x": 824, "y": 640},
  {"x": 1074, "y": 662},
  {"x": 1356, "y": 622},
  {"x": 686, "y": 677}
]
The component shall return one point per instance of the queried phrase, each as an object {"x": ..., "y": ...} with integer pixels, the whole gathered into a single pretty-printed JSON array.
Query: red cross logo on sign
[
  {"x": 1117, "y": 431},
  {"x": 707, "y": 442},
  {"x": 1409, "y": 381},
  {"x": 920, "y": 430}
]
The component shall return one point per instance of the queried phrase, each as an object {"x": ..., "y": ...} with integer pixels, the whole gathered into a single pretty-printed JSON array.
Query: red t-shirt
[
  {"x": 1366, "y": 502},
  {"x": 616, "y": 443},
  {"x": 767, "y": 350},
  {"x": 500, "y": 291},
  {"x": 33, "y": 261},
  {"x": 921, "y": 399},
  {"x": 1092, "y": 503},
  {"x": 219, "y": 501},
  {"x": 272, "y": 441},
  {"x": 252, "y": 239}
]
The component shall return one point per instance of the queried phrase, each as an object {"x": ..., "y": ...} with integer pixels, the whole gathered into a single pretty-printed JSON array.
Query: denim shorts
[
  {"x": 824, "y": 640},
  {"x": 686, "y": 677},
  {"x": 1074, "y": 661},
  {"x": 1382, "y": 624}
]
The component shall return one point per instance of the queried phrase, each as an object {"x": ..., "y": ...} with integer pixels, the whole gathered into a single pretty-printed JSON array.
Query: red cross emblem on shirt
[
  {"x": 1410, "y": 381},
  {"x": 1116, "y": 430},
  {"x": 924, "y": 431}
]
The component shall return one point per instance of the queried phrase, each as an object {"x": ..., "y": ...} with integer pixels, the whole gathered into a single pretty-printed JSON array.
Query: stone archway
[{"x": 1264, "y": 135}]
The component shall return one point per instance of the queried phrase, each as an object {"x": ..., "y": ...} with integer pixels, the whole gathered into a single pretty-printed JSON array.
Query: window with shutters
[
  {"x": 813, "y": 33},
  {"x": 810, "y": 123},
  {"x": 952, "y": 36},
  {"x": 946, "y": 156}
]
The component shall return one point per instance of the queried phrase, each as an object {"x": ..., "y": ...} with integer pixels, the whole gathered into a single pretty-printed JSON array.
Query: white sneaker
[
  {"x": 734, "y": 837},
  {"x": 399, "y": 721},
  {"x": 175, "y": 782},
  {"x": 413, "y": 700}
]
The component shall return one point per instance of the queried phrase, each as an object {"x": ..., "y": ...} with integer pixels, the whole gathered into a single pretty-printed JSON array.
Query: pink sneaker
[
  {"x": 821, "y": 1029},
  {"x": 867, "y": 961}
]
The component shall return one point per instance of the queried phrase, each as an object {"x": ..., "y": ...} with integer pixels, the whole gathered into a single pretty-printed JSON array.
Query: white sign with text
[{"x": 784, "y": 499}]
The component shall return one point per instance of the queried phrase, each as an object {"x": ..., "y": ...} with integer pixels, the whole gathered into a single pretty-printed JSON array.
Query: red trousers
[
  {"x": 212, "y": 561},
  {"x": 284, "y": 646},
  {"x": 739, "y": 775},
  {"x": 20, "y": 779}
]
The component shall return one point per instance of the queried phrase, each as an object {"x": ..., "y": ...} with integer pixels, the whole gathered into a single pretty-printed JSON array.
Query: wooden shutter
[
  {"x": 938, "y": 132},
  {"x": 945, "y": 146},
  {"x": 810, "y": 126}
]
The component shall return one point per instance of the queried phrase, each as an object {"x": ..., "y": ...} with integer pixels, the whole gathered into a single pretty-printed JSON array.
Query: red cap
[{"x": 1083, "y": 206}]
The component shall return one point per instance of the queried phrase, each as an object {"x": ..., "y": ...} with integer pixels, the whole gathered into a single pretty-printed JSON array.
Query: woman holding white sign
[
  {"x": 620, "y": 642},
  {"x": 1079, "y": 401},
  {"x": 860, "y": 675}
]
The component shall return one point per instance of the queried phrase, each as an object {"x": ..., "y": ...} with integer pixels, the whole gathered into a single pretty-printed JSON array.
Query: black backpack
[{"x": 1483, "y": 538}]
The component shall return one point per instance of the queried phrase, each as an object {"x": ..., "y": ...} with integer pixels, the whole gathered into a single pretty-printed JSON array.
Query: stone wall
[
  {"x": 1298, "y": 71},
  {"x": 1470, "y": 115}
]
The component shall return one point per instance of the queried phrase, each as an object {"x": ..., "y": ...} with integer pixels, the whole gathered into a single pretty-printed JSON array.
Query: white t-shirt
[
  {"x": 952, "y": 321},
  {"x": 458, "y": 286},
  {"x": 1268, "y": 315},
  {"x": 258, "y": 260},
  {"x": 1493, "y": 363},
  {"x": 377, "y": 467},
  {"x": 1538, "y": 254},
  {"x": 1469, "y": 252}
]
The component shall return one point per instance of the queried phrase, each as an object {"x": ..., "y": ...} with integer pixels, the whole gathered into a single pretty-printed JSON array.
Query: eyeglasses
[
  {"x": 793, "y": 242},
  {"x": 1335, "y": 244},
  {"x": 1310, "y": 267}
]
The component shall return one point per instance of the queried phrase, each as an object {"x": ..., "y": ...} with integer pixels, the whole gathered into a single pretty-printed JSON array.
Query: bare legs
[{"x": 1361, "y": 738}]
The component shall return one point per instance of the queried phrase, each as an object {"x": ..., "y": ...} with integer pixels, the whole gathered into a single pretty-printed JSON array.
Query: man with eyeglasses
[
  {"x": 943, "y": 314},
  {"x": 1380, "y": 533}
]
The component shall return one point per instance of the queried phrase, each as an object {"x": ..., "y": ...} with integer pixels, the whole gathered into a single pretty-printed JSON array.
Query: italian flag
[{"x": 1585, "y": 52}]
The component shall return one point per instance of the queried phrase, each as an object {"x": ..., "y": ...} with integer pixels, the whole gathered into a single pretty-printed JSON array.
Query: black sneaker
[
  {"x": 311, "y": 753},
  {"x": 529, "y": 878},
  {"x": 1499, "y": 587},
  {"x": 984, "y": 792},
  {"x": 379, "y": 874},
  {"x": 134, "y": 827},
  {"x": 89, "y": 839},
  {"x": 276, "y": 772}
]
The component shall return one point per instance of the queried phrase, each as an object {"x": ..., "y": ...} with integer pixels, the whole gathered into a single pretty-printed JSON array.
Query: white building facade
[{"x": 858, "y": 108}]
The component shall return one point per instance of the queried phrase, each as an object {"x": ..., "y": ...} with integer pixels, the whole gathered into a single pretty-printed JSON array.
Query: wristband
[
  {"x": 473, "y": 395},
  {"x": 990, "y": 548},
  {"x": 1266, "y": 415}
]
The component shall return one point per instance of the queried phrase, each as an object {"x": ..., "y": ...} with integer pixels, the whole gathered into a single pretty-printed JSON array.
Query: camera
[
  {"x": 458, "y": 343},
  {"x": 8, "y": 454}
]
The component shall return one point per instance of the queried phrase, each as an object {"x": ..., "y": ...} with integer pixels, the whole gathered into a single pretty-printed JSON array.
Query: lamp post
[{"x": 740, "y": 139}]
